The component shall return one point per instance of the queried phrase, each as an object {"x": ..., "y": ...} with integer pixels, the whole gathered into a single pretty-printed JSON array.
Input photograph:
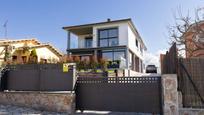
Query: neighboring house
[
  {"x": 45, "y": 52},
  {"x": 195, "y": 40},
  {"x": 117, "y": 41}
]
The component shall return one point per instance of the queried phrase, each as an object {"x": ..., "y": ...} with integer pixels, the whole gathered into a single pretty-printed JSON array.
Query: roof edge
[{"x": 98, "y": 23}]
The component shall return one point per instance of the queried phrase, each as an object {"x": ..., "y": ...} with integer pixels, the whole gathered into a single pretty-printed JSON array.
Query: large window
[
  {"x": 113, "y": 55},
  {"x": 108, "y": 37},
  {"x": 88, "y": 42}
]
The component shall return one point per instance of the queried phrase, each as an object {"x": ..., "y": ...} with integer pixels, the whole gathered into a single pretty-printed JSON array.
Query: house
[
  {"x": 21, "y": 48},
  {"x": 116, "y": 40},
  {"x": 194, "y": 38}
]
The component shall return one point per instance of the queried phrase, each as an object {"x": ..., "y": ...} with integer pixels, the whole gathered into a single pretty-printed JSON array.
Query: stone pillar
[
  {"x": 170, "y": 94},
  {"x": 68, "y": 41}
]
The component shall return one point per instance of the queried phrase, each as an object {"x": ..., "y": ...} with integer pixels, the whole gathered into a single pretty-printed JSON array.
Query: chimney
[{"x": 108, "y": 20}]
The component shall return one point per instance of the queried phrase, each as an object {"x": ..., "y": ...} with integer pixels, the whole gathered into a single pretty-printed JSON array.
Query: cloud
[{"x": 153, "y": 58}]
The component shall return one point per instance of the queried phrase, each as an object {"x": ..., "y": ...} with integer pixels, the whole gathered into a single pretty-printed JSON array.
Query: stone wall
[
  {"x": 57, "y": 102},
  {"x": 170, "y": 94},
  {"x": 191, "y": 111}
]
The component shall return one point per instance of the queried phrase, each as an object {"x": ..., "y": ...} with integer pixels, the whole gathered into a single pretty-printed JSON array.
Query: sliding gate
[{"x": 123, "y": 94}]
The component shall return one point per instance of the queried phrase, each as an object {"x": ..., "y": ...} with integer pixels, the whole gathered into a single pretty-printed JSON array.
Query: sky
[{"x": 44, "y": 19}]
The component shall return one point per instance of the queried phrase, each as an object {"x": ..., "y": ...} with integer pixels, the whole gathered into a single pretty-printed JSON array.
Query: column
[{"x": 68, "y": 41}]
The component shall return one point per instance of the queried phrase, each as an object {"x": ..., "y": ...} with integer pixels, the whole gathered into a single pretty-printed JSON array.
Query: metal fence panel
[
  {"x": 126, "y": 94},
  {"x": 23, "y": 78},
  {"x": 192, "y": 88},
  {"x": 39, "y": 77},
  {"x": 54, "y": 79}
]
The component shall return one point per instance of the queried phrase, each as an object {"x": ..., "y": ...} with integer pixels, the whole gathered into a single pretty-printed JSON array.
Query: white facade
[
  {"x": 127, "y": 37},
  {"x": 45, "y": 53},
  {"x": 122, "y": 32}
]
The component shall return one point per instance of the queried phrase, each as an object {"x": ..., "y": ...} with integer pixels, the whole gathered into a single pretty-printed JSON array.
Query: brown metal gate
[{"x": 123, "y": 94}]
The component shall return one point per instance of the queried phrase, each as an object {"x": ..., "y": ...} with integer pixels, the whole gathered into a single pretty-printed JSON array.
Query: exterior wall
[
  {"x": 134, "y": 49},
  {"x": 81, "y": 40},
  {"x": 45, "y": 53},
  {"x": 122, "y": 31},
  {"x": 132, "y": 43},
  {"x": 57, "y": 102},
  {"x": 192, "y": 45},
  {"x": 14, "y": 46},
  {"x": 126, "y": 37}
]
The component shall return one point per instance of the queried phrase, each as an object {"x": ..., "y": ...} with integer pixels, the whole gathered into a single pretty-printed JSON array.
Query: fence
[
  {"x": 191, "y": 82},
  {"x": 38, "y": 77},
  {"x": 169, "y": 61},
  {"x": 124, "y": 94},
  {"x": 190, "y": 73}
]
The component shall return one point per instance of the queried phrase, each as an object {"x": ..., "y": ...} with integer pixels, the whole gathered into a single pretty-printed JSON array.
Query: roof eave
[{"x": 92, "y": 24}]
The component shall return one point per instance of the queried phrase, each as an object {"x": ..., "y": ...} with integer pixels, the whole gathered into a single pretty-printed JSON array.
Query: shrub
[
  {"x": 93, "y": 63},
  {"x": 33, "y": 58},
  {"x": 81, "y": 65},
  {"x": 103, "y": 64},
  {"x": 76, "y": 59},
  {"x": 69, "y": 59}
]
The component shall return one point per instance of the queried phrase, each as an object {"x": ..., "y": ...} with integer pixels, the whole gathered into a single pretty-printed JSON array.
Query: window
[
  {"x": 119, "y": 55},
  {"x": 113, "y": 55},
  {"x": 88, "y": 42},
  {"x": 103, "y": 42},
  {"x": 108, "y": 37},
  {"x": 136, "y": 42},
  {"x": 108, "y": 55},
  {"x": 14, "y": 58}
]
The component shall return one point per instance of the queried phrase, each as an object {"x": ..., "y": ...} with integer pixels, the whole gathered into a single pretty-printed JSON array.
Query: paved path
[{"x": 14, "y": 110}]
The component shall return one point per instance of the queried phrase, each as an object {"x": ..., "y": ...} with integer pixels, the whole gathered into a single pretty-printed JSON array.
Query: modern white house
[{"x": 116, "y": 40}]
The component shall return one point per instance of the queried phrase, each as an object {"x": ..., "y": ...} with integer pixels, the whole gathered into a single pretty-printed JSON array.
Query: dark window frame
[
  {"x": 91, "y": 39},
  {"x": 108, "y": 37},
  {"x": 113, "y": 51}
]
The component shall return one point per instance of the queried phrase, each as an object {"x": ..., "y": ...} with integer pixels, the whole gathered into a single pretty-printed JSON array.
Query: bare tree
[{"x": 188, "y": 25}]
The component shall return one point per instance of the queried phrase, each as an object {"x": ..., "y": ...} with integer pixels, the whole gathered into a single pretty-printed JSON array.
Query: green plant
[
  {"x": 69, "y": 59},
  {"x": 103, "y": 64},
  {"x": 33, "y": 58},
  {"x": 76, "y": 59},
  {"x": 93, "y": 63},
  {"x": 80, "y": 65}
]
